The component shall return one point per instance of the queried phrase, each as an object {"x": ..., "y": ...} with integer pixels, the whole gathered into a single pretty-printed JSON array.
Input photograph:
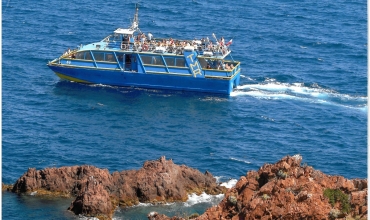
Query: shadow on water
[
  {"x": 92, "y": 91},
  {"x": 43, "y": 207},
  {"x": 34, "y": 207}
]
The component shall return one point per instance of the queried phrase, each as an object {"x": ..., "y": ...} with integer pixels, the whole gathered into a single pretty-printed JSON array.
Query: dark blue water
[{"x": 303, "y": 91}]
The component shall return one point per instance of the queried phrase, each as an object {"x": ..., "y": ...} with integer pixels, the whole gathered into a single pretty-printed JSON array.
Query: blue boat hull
[{"x": 145, "y": 80}]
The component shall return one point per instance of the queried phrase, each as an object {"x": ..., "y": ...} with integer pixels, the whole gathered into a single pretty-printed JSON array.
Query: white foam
[
  {"x": 267, "y": 86},
  {"x": 270, "y": 89},
  {"x": 202, "y": 198},
  {"x": 218, "y": 178},
  {"x": 229, "y": 184},
  {"x": 143, "y": 205},
  {"x": 87, "y": 218},
  {"x": 150, "y": 204},
  {"x": 263, "y": 95},
  {"x": 241, "y": 160}
]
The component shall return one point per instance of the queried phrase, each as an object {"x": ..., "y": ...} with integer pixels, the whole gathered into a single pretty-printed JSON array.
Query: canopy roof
[{"x": 124, "y": 31}]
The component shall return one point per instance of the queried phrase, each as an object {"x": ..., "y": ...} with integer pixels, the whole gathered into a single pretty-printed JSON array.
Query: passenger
[
  {"x": 142, "y": 38},
  {"x": 145, "y": 47},
  {"x": 210, "y": 46},
  {"x": 222, "y": 41},
  {"x": 131, "y": 39},
  {"x": 150, "y": 36},
  {"x": 125, "y": 39},
  {"x": 231, "y": 66},
  {"x": 208, "y": 66}
]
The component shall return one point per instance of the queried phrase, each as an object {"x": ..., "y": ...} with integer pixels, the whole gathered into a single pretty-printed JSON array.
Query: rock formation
[
  {"x": 284, "y": 190},
  {"x": 99, "y": 192},
  {"x": 287, "y": 190}
]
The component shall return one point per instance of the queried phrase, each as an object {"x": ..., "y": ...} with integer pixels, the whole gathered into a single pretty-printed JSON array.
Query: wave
[
  {"x": 229, "y": 184},
  {"x": 271, "y": 89},
  {"x": 240, "y": 160},
  {"x": 194, "y": 199}
]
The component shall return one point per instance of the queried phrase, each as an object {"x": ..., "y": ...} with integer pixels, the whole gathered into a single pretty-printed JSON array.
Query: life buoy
[
  {"x": 124, "y": 46},
  {"x": 145, "y": 47}
]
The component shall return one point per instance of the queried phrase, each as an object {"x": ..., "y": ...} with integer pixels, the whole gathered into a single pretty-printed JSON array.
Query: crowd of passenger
[{"x": 143, "y": 42}]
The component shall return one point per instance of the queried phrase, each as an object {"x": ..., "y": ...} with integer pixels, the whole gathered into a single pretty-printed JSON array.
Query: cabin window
[
  {"x": 88, "y": 56},
  {"x": 203, "y": 62},
  {"x": 120, "y": 57},
  {"x": 80, "y": 55},
  {"x": 180, "y": 62},
  {"x": 157, "y": 60},
  {"x": 110, "y": 57},
  {"x": 99, "y": 56},
  {"x": 146, "y": 59},
  {"x": 170, "y": 61}
]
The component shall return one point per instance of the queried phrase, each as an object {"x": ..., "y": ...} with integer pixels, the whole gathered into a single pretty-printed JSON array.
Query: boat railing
[
  {"x": 158, "y": 46},
  {"x": 68, "y": 53},
  {"x": 113, "y": 44}
]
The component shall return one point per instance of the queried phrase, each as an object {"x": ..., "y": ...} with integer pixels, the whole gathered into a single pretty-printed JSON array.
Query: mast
[{"x": 135, "y": 22}]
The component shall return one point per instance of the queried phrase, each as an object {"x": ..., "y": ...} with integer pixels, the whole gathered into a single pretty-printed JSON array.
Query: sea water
[{"x": 303, "y": 90}]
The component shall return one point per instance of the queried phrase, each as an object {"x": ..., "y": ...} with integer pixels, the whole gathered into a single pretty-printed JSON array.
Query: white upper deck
[{"x": 124, "y": 31}]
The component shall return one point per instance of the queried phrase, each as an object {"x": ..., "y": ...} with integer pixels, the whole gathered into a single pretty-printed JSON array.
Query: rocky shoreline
[
  {"x": 284, "y": 190},
  {"x": 97, "y": 192}
]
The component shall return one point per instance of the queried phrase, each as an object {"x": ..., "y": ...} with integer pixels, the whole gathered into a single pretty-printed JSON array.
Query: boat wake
[{"x": 300, "y": 91}]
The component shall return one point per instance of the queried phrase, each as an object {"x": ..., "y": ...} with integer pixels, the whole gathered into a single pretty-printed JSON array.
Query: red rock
[
  {"x": 93, "y": 200},
  {"x": 285, "y": 190},
  {"x": 98, "y": 192}
]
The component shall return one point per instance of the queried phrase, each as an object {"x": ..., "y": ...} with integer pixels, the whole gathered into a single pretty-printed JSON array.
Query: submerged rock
[{"x": 99, "y": 192}]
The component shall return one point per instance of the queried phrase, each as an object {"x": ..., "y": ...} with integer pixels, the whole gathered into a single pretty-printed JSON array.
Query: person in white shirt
[{"x": 150, "y": 36}]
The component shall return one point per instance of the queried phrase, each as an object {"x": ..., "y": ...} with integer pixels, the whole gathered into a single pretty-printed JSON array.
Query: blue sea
[{"x": 303, "y": 91}]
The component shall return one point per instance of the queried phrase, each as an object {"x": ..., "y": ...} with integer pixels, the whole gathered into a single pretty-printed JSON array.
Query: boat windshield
[{"x": 112, "y": 37}]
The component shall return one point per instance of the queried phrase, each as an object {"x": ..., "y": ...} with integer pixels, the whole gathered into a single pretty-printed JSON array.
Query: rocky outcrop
[
  {"x": 99, "y": 192},
  {"x": 287, "y": 190},
  {"x": 66, "y": 181},
  {"x": 93, "y": 200},
  {"x": 284, "y": 190},
  {"x": 162, "y": 181}
]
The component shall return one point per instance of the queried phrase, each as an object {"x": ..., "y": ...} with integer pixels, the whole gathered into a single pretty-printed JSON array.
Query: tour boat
[{"x": 129, "y": 57}]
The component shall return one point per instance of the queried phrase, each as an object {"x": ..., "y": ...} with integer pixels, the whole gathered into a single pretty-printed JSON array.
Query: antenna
[{"x": 135, "y": 22}]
